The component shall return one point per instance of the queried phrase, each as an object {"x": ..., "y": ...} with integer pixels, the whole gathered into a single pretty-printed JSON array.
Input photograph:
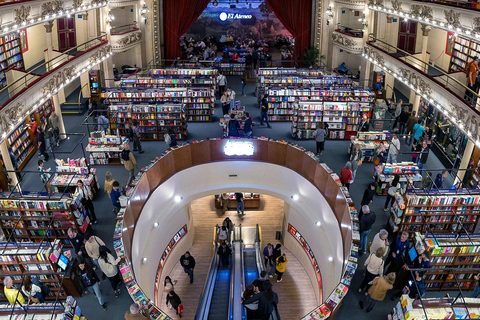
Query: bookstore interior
[{"x": 274, "y": 187}]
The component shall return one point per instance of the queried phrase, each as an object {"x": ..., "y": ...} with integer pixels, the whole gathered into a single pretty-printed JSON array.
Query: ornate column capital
[
  {"x": 426, "y": 29},
  {"x": 48, "y": 26}
]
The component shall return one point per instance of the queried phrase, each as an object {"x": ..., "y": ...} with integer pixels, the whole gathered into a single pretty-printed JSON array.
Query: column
[
  {"x": 467, "y": 154},
  {"x": 425, "y": 31},
  {"x": 58, "y": 112},
  {"x": 416, "y": 102},
  {"x": 8, "y": 163},
  {"x": 49, "y": 42},
  {"x": 85, "y": 83},
  {"x": 107, "y": 66}
]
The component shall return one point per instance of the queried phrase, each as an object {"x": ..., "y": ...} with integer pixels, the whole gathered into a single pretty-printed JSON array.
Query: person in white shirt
[
  {"x": 393, "y": 150},
  {"x": 109, "y": 266},
  {"x": 32, "y": 291},
  {"x": 374, "y": 267},
  {"x": 232, "y": 98},
  {"x": 380, "y": 241},
  {"x": 398, "y": 111},
  {"x": 222, "y": 83},
  {"x": 86, "y": 197}
]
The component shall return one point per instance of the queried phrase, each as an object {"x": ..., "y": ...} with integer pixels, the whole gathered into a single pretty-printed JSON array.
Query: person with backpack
[
  {"x": 134, "y": 134},
  {"x": 267, "y": 301},
  {"x": 129, "y": 162},
  {"x": 233, "y": 126},
  {"x": 86, "y": 196},
  {"x": 90, "y": 281},
  {"x": 222, "y": 234},
  {"x": 109, "y": 266},
  {"x": 92, "y": 247}
]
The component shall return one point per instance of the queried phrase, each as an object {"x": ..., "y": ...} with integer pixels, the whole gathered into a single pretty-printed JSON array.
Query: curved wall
[{"x": 203, "y": 180}]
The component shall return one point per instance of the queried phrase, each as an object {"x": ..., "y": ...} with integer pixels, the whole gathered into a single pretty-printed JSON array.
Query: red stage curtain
[
  {"x": 296, "y": 16},
  {"x": 178, "y": 17}
]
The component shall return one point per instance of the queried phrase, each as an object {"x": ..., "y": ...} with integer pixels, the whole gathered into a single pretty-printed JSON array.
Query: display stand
[
  {"x": 105, "y": 149},
  {"x": 370, "y": 141},
  {"x": 438, "y": 211},
  {"x": 39, "y": 311},
  {"x": 385, "y": 172},
  {"x": 68, "y": 182},
  {"x": 232, "y": 69},
  {"x": 378, "y": 116},
  {"x": 250, "y": 200}
]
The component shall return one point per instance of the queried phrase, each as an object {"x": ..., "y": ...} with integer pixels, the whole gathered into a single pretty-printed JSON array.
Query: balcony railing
[
  {"x": 449, "y": 81},
  {"x": 119, "y": 30},
  {"x": 467, "y": 4},
  {"x": 352, "y": 32},
  {"x": 12, "y": 90}
]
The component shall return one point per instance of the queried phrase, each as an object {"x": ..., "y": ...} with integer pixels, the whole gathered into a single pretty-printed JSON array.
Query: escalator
[{"x": 221, "y": 294}]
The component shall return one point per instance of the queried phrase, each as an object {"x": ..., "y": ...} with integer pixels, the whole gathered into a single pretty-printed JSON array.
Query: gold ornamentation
[
  {"x": 52, "y": 7},
  {"x": 452, "y": 18},
  {"x": 397, "y": 6},
  {"x": 58, "y": 80},
  {"x": 22, "y": 14},
  {"x": 77, "y": 4}
]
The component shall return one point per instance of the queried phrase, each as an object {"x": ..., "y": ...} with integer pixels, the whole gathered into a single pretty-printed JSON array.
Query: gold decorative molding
[
  {"x": 52, "y": 7},
  {"x": 22, "y": 14}
]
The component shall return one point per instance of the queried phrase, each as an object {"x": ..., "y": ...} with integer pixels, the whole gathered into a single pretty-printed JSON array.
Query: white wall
[
  {"x": 129, "y": 57},
  {"x": 36, "y": 37},
  {"x": 123, "y": 16},
  {"x": 81, "y": 29},
  {"x": 212, "y": 178},
  {"x": 348, "y": 19},
  {"x": 352, "y": 61},
  {"x": 437, "y": 41}
]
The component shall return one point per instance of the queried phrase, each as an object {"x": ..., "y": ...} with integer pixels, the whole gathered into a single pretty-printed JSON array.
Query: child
[{"x": 115, "y": 196}]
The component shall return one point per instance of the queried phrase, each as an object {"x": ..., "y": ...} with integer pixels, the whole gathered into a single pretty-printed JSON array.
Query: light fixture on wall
[
  {"x": 109, "y": 18},
  {"x": 363, "y": 20},
  {"x": 144, "y": 12},
  {"x": 329, "y": 13}
]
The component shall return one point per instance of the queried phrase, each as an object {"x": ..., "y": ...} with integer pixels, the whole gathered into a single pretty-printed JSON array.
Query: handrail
[
  {"x": 389, "y": 49},
  {"x": 206, "y": 297},
  {"x": 118, "y": 30},
  {"x": 50, "y": 66},
  {"x": 237, "y": 266},
  {"x": 346, "y": 30},
  {"x": 258, "y": 251},
  {"x": 473, "y": 5}
]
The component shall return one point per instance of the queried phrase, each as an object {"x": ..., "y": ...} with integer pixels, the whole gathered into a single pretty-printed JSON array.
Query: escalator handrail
[
  {"x": 258, "y": 251},
  {"x": 233, "y": 296},
  {"x": 205, "y": 300}
]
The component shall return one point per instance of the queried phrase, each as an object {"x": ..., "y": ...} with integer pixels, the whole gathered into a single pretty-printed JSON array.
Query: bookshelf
[
  {"x": 77, "y": 169},
  {"x": 385, "y": 172},
  {"x": 313, "y": 106},
  {"x": 27, "y": 219},
  {"x": 232, "y": 69},
  {"x": 45, "y": 110},
  {"x": 105, "y": 149},
  {"x": 10, "y": 55},
  {"x": 445, "y": 211},
  {"x": 370, "y": 141},
  {"x": 153, "y": 120},
  {"x": 450, "y": 251},
  {"x": 463, "y": 52}
]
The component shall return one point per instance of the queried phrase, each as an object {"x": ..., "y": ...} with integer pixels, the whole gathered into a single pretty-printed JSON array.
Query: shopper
[
  {"x": 222, "y": 234},
  {"x": 280, "y": 265},
  {"x": 129, "y": 162},
  {"x": 391, "y": 192},
  {"x": 90, "y": 281},
  {"x": 44, "y": 176},
  {"x": 378, "y": 290},
  {"x": 423, "y": 156},
  {"x": 134, "y": 134},
  {"x": 366, "y": 223},
  {"x": 398, "y": 249},
  {"x": 398, "y": 112},
  {"x": 243, "y": 80},
  {"x": 233, "y": 126},
  {"x": 476, "y": 289},
  {"x": 267, "y": 301},
  {"x": 356, "y": 159},
  {"x": 14, "y": 162},
  {"x": 264, "y": 111},
  {"x": 49, "y": 139},
  {"x": 174, "y": 300},
  {"x": 41, "y": 143},
  {"x": 258, "y": 283},
  {"x": 31, "y": 291},
  {"x": 32, "y": 128},
  {"x": 240, "y": 203},
  {"x": 168, "y": 285},
  {"x": 222, "y": 83},
  {"x": 403, "y": 120},
  {"x": 232, "y": 96},
  {"x": 393, "y": 150},
  {"x": 382, "y": 153},
  {"x": 416, "y": 150},
  {"x": 109, "y": 266},
  {"x": 380, "y": 241},
  {"x": 108, "y": 184},
  {"x": 171, "y": 138},
  {"x": 412, "y": 120},
  {"x": 12, "y": 294},
  {"x": 367, "y": 198},
  {"x": 103, "y": 123},
  {"x": 225, "y": 101},
  {"x": 373, "y": 268},
  {"x": 115, "y": 197},
  {"x": 418, "y": 130},
  {"x": 472, "y": 69},
  {"x": 346, "y": 175},
  {"x": 76, "y": 239},
  {"x": 364, "y": 125},
  {"x": 188, "y": 264},
  {"x": 228, "y": 224},
  {"x": 137, "y": 313},
  {"x": 427, "y": 181},
  {"x": 54, "y": 121},
  {"x": 439, "y": 179},
  {"x": 319, "y": 136},
  {"x": 416, "y": 287},
  {"x": 92, "y": 246},
  {"x": 224, "y": 252},
  {"x": 252, "y": 308},
  {"x": 268, "y": 255},
  {"x": 86, "y": 197},
  {"x": 255, "y": 58},
  {"x": 277, "y": 252},
  {"x": 248, "y": 126}
]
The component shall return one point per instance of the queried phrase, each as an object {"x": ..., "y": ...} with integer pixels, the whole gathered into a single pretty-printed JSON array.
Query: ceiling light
[
  {"x": 178, "y": 199},
  {"x": 295, "y": 197}
]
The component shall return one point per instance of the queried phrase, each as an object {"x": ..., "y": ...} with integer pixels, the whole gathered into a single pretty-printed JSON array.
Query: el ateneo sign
[{"x": 224, "y": 16}]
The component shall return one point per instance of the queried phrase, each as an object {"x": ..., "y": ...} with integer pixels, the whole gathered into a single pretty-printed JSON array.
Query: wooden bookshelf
[
  {"x": 463, "y": 52},
  {"x": 443, "y": 210},
  {"x": 10, "y": 55}
]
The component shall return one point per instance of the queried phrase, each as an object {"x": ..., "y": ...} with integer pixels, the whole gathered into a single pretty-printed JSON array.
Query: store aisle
[{"x": 294, "y": 291}]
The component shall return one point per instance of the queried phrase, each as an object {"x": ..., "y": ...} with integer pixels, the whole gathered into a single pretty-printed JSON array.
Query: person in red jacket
[{"x": 346, "y": 175}]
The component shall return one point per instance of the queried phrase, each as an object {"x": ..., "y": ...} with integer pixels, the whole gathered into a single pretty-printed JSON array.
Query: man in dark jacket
[
  {"x": 277, "y": 252},
  {"x": 423, "y": 155},
  {"x": 258, "y": 283},
  {"x": 439, "y": 179},
  {"x": 367, "y": 197},
  {"x": 398, "y": 249},
  {"x": 366, "y": 223},
  {"x": 412, "y": 120},
  {"x": 224, "y": 252},
  {"x": 76, "y": 239},
  {"x": 403, "y": 120},
  {"x": 90, "y": 281},
  {"x": 188, "y": 264},
  {"x": 174, "y": 301}
]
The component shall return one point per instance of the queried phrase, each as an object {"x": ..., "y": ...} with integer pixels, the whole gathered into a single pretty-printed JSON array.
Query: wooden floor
[{"x": 295, "y": 292}]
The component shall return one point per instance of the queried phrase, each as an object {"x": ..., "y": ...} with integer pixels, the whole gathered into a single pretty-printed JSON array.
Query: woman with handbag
[
  {"x": 169, "y": 285},
  {"x": 374, "y": 268},
  {"x": 32, "y": 291},
  {"x": 86, "y": 197},
  {"x": 109, "y": 266},
  {"x": 175, "y": 302}
]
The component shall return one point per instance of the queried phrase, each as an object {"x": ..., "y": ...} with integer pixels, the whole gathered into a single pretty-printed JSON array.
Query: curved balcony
[
  {"x": 122, "y": 3},
  {"x": 460, "y": 20},
  {"x": 351, "y": 4},
  {"x": 27, "y": 92},
  {"x": 446, "y": 92},
  {"x": 17, "y": 15},
  {"x": 125, "y": 37},
  {"x": 349, "y": 40}
]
